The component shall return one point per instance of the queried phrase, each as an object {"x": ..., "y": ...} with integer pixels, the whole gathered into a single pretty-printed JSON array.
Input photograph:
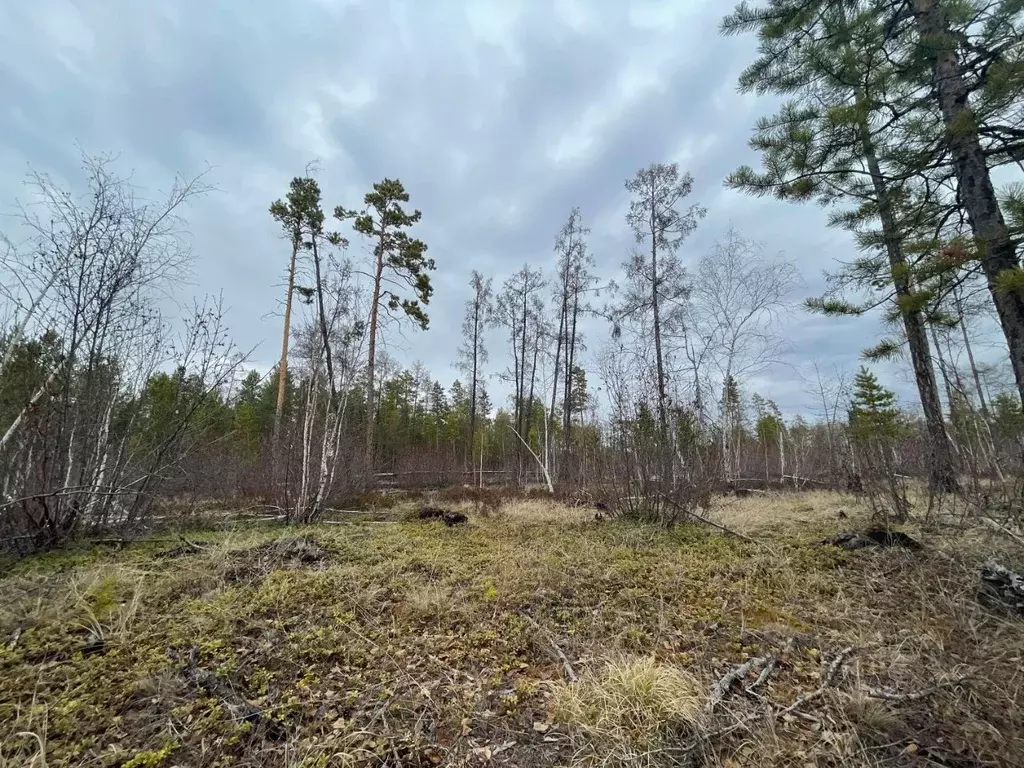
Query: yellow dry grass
[
  {"x": 631, "y": 706},
  {"x": 777, "y": 511}
]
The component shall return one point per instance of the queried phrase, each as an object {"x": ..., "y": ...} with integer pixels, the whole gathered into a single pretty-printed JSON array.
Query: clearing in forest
[{"x": 535, "y": 636}]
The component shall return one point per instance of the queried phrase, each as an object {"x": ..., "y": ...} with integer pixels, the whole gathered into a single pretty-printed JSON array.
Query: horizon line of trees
[{"x": 901, "y": 117}]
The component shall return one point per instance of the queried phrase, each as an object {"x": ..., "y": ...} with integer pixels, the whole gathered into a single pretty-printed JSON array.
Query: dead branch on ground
[
  {"x": 878, "y": 693},
  {"x": 570, "y": 673}
]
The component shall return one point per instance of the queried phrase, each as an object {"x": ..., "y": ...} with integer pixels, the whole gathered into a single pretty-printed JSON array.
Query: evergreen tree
[
  {"x": 655, "y": 278},
  {"x": 399, "y": 266},
  {"x": 970, "y": 49},
  {"x": 829, "y": 143},
  {"x": 873, "y": 412},
  {"x": 295, "y": 215},
  {"x": 579, "y": 397}
]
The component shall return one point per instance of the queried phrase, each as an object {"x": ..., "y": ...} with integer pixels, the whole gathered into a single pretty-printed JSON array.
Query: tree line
[{"x": 901, "y": 118}]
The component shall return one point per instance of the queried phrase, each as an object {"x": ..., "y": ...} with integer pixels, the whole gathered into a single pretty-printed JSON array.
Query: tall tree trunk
[
  {"x": 982, "y": 403},
  {"x": 985, "y": 427},
  {"x": 558, "y": 354},
  {"x": 522, "y": 365},
  {"x": 282, "y": 367},
  {"x": 472, "y": 395},
  {"x": 977, "y": 195},
  {"x": 782, "y": 452},
  {"x": 371, "y": 362},
  {"x": 324, "y": 335},
  {"x": 943, "y": 370},
  {"x": 521, "y": 387},
  {"x": 570, "y": 362},
  {"x": 659, "y": 360},
  {"x": 941, "y": 471},
  {"x": 528, "y": 421}
]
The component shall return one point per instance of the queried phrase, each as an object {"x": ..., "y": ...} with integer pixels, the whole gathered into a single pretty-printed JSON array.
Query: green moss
[
  {"x": 151, "y": 758},
  {"x": 402, "y": 626}
]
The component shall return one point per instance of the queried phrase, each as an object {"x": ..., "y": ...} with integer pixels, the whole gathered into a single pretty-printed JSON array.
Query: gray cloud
[{"x": 498, "y": 117}]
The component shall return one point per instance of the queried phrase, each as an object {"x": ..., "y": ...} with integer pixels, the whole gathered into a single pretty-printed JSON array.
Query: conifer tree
[
  {"x": 655, "y": 277},
  {"x": 873, "y": 411},
  {"x": 399, "y": 266},
  {"x": 295, "y": 215},
  {"x": 829, "y": 144},
  {"x": 971, "y": 50}
]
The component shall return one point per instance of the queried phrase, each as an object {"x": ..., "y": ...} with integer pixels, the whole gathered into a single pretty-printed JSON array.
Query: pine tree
[
  {"x": 655, "y": 278},
  {"x": 399, "y": 265},
  {"x": 971, "y": 52},
  {"x": 830, "y": 144},
  {"x": 873, "y": 412},
  {"x": 297, "y": 214}
]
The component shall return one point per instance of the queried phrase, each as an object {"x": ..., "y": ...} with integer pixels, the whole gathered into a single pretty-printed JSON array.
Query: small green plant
[
  {"x": 490, "y": 590},
  {"x": 151, "y": 758}
]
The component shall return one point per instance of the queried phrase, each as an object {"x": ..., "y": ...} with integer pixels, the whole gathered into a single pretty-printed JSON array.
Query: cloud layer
[{"x": 498, "y": 117}]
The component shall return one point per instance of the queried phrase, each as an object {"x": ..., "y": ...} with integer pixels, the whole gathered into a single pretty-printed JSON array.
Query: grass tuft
[{"x": 632, "y": 701}]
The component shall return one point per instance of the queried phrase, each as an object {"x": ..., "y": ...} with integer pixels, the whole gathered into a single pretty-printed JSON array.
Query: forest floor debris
[
  {"x": 529, "y": 636},
  {"x": 851, "y": 540}
]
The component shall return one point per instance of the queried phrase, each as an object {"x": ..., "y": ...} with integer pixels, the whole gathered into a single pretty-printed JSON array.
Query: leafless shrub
[{"x": 101, "y": 427}]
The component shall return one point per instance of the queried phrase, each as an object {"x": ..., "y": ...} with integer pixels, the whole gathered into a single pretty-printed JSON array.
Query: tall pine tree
[
  {"x": 399, "y": 266},
  {"x": 829, "y": 144}
]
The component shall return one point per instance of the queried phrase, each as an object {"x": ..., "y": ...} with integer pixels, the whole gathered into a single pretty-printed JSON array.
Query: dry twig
[
  {"x": 878, "y": 693},
  {"x": 826, "y": 682},
  {"x": 737, "y": 673},
  {"x": 773, "y": 659},
  {"x": 570, "y": 673},
  {"x": 1001, "y": 529},
  {"x": 720, "y": 527}
]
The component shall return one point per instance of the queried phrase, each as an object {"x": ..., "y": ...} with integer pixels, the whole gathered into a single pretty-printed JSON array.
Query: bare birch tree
[
  {"x": 656, "y": 277},
  {"x": 736, "y": 299},
  {"x": 518, "y": 311},
  {"x": 473, "y": 352},
  {"x": 71, "y": 454}
]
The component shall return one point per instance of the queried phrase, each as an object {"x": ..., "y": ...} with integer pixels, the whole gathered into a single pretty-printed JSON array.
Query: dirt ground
[{"x": 534, "y": 635}]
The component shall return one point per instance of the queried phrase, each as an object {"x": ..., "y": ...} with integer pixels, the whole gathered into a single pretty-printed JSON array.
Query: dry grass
[
  {"x": 631, "y": 709},
  {"x": 773, "y": 511},
  {"x": 412, "y": 644}
]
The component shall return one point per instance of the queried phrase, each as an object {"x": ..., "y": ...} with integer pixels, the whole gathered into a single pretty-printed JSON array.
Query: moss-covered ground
[{"x": 409, "y": 643}]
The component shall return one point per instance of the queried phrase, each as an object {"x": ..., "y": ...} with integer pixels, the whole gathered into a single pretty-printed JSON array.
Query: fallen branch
[
  {"x": 185, "y": 548},
  {"x": 570, "y": 673},
  {"x": 541, "y": 464},
  {"x": 773, "y": 659},
  {"x": 878, "y": 693},
  {"x": 737, "y": 673},
  {"x": 720, "y": 527},
  {"x": 208, "y": 682},
  {"x": 797, "y": 479},
  {"x": 358, "y": 522},
  {"x": 826, "y": 682}
]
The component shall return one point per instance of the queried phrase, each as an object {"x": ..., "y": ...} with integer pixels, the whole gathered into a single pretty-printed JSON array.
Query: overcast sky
[{"x": 497, "y": 116}]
